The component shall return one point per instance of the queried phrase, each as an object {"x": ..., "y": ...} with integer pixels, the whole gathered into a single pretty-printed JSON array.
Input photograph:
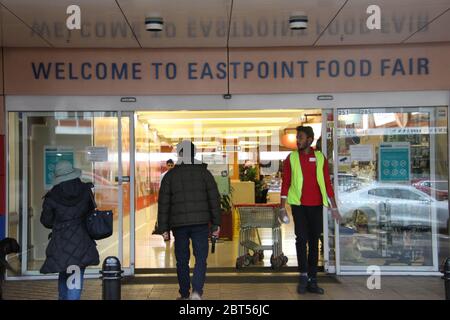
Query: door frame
[
  {"x": 240, "y": 101},
  {"x": 394, "y": 270},
  {"x": 94, "y": 272}
]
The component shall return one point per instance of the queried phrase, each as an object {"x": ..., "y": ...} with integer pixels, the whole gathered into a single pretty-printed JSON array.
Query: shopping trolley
[{"x": 252, "y": 217}]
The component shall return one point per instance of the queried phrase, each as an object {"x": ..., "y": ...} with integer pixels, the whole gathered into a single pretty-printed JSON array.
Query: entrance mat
[
  {"x": 216, "y": 278},
  {"x": 251, "y": 269}
]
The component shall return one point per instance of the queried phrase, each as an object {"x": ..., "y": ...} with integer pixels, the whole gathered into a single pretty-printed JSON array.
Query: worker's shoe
[
  {"x": 313, "y": 287},
  {"x": 302, "y": 284}
]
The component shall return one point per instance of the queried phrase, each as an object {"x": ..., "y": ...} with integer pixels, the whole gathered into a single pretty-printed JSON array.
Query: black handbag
[{"x": 99, "y": 223}]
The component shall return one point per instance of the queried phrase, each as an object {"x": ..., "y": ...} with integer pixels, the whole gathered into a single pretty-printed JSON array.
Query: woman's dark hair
[{"x": 307, "y": 130}]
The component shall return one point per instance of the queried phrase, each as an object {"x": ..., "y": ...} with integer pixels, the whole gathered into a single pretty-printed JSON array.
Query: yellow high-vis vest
[{"x": 295, "y": 190}]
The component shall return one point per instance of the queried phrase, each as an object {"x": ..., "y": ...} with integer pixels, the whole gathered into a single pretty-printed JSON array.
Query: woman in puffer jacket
[{"x": 70, "y": 249}]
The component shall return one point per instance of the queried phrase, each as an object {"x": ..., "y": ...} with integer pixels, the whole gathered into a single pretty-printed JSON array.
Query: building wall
[
  {"x": 100, "y": 72},
  {"x": 2, "y": 153}
]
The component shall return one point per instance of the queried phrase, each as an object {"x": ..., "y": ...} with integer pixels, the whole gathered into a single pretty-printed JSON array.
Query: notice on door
[
  {"x": 52, "y": 155},
  {"x": 97, "y": 154},
  {"x": 361, "y": 152}
]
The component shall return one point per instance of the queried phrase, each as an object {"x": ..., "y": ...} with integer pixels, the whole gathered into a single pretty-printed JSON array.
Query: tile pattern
[{"x": 348, "y": 288}]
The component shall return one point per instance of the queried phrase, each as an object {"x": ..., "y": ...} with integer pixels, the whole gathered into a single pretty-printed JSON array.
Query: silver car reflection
[{"x": 394, "y": 205}]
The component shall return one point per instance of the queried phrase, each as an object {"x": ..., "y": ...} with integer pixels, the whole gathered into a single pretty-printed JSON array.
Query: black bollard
[
  {"x": 111, "y": 278},
  {"x": 446, "y": 278}
]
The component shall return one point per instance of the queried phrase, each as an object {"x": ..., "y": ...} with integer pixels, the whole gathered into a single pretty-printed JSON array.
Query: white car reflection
[{"x": 394, "y": 205}]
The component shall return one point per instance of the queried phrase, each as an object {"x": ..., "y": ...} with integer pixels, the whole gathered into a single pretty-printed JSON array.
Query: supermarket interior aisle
[{"x": 153, "y": 252}]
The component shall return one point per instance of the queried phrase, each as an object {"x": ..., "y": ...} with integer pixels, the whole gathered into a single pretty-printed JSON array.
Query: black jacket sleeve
[
  {"x": 48, "y": 214},
  {"x": 213, "y": 198},
  {"x": 164, "y": 204}
]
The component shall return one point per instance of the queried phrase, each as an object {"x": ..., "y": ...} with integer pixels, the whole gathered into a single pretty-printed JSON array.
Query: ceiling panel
[
  {"x": 103, "y": 24},
  {"x": 16, "y": 34},
  {"x": 193, "y": 23},
  {"x": 204, "y": 23},
  {"x": 261, "y": 23},
  {"x": 222, "y": 123},
  {"x": 437, "y": 31},
  {"x": 400, "y": 19}
]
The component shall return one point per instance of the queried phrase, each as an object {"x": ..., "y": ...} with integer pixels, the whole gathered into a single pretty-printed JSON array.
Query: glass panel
[
  {"x": 389, "y": 159},
  {"x": 126, "y": 201},
  {"x": 78, "y": 137}
]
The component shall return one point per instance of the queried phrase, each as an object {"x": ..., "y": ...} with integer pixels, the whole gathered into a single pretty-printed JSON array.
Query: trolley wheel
[
  {"x": 256, "y": 258},
  {"x": 247, "y": 260},
  {"x": 239, "y": 262},
  {"x": 275, "y": 262},
  {"x": 284, "y": 260},
  {"x": 261, "y": 254}
]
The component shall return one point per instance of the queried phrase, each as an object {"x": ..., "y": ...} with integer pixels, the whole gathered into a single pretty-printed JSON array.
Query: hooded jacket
[
  {"x": 188, "y": 196},
  {"x": 64, "y": 210}
]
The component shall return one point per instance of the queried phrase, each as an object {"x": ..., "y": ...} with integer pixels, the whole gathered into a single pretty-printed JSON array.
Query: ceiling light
[
  {"x": 298, "y": 21},
  {"x": 154, "y": 24}
]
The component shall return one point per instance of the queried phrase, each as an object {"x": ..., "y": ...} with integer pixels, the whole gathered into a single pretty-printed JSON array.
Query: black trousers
[{"x": 308, "y": 221}]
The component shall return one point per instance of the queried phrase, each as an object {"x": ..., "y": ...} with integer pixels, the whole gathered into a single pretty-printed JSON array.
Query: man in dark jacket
[
  {"x": 188, "y": 201},
  {"x": 64, "y": 211}
]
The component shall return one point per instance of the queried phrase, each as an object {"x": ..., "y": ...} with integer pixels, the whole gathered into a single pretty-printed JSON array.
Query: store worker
[
  {"x": 188, "y": 201},
  {"x": 307, "y": 188}
]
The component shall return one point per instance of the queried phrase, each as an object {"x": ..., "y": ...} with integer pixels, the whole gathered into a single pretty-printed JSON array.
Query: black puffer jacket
[
  {"x": 188, "y": 196},
  {"x": 64, "y": 211}
]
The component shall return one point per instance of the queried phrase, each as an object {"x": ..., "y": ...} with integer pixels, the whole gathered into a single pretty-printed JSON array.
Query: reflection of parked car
[
  {"x": 438, "y": 188},
  {"x": 392, "y": 204},
  {"x": 351, "y": 182}
]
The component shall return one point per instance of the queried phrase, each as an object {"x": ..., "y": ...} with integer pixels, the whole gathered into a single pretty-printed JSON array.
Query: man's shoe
[
  {"x": 302, "y": 284},
  {"x": 313, "y": 287},
  {"x": 195, "y": 296},
  {"x": 183, "y": 298}
]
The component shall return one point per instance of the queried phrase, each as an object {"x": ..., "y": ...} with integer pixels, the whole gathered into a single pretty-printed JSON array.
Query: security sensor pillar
[
  {"x": 298, "y": 22},
  {"x": 154, "y": 24}
]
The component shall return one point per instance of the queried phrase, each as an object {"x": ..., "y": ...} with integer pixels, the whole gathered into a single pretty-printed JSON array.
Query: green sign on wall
[
  {"x": 52, "y": 155},
  {"x": 394, "y": 162},
  {"x": 223, "y": 184}
]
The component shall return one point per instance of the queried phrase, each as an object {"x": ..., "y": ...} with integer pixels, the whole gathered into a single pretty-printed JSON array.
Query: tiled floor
[{"x": 346, "y": 288}]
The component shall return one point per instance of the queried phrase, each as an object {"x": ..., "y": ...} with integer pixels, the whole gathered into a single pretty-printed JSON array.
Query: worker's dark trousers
[{"x": 308, "y": 222}]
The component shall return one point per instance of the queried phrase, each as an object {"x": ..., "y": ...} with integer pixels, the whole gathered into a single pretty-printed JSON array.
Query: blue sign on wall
[{"x": 394, "y": 162}]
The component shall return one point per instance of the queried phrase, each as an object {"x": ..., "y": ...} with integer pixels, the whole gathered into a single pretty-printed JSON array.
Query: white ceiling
[{"x": 220, "y": 23}]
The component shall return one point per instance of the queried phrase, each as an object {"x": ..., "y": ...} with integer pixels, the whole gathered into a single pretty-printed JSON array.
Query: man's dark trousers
[
  {"x": 199, "y": 236},
  {"x": 308, "y": 221}
]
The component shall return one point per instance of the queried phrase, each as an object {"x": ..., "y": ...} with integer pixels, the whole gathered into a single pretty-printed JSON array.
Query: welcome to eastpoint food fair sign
[{"x": 208, "y": 71}]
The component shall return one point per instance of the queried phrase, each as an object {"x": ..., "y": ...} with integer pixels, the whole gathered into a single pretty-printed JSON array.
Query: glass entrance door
[
  {"x": 392, "y": 168},
  {"x": 98, "y": 143}
]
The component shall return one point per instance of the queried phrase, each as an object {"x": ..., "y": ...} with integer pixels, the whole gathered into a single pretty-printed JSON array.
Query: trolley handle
[{"x": 264, "y": 205}]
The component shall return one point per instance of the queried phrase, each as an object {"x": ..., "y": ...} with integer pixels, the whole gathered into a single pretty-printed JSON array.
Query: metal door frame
[
  {"x": 90, "y": 273},
  {"x": 390, "y": 270},
  {"x": 240, "y": 101}
]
